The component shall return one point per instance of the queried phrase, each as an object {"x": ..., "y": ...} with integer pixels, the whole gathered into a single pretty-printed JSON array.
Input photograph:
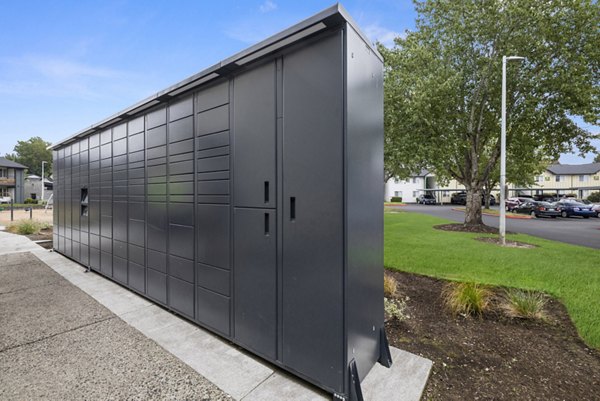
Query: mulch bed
[
  {"x": 44, "y": 235},
  {"x": 458, "y": 227},
  {"x": 510, "y": 244},
  {"x": 493, "y": 357}
]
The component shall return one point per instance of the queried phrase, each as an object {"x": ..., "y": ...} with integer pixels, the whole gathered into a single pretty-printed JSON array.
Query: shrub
[
  {"x": 24, "y": 227},
  {"x": 524, "y": 304},
  {"x": 395, "y": 309},
  {"x": 396, "y": 199},
  {"x": 594, "y": 197},
  {"x": 29, "y": 201},
  {"x": 390, "y": 285},
  {"x": 466, "y": 298}
]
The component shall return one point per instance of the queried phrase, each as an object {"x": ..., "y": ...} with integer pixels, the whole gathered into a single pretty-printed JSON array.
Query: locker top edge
[{"x": 330, "y": 18}]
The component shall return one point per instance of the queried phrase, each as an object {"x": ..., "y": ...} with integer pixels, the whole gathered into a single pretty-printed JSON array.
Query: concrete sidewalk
[{"x": 235, "y": 372}]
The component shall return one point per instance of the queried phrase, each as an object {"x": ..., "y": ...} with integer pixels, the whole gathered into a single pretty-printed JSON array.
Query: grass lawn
[{"x": 568, "y": 272}]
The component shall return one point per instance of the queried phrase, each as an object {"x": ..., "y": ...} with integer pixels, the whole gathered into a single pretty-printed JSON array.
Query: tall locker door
[
  {"x": 254, "y": 122},
  {"x": 313, "y": 212},
  {"x": 255, "y": 241},
  {"x": 255, "y": 279}
]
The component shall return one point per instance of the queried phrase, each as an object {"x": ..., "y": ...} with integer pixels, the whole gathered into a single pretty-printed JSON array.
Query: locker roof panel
[{"x": 329, "y": 18}]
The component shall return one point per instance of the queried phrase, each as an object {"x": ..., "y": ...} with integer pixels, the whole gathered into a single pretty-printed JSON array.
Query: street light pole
[
  {"x": 503, "y": 152},
  {"x": 43, "y": 162}
]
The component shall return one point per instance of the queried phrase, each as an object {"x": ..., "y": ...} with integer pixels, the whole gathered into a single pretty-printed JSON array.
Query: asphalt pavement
[{"x": 573, "y": 230}]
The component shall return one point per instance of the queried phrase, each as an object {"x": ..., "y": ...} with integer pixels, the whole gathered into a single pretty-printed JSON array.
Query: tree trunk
[
  {"x": 486, "y": 193},
  {"x": 473, "y": 209}
]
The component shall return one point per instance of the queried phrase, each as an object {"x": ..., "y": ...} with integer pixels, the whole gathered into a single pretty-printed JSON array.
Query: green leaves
[
  {"x": 443, "y": 86},
  {"x": 31, "y": 153}
]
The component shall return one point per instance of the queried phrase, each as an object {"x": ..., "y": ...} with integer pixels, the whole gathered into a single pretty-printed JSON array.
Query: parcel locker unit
[{"x": 248, "y": 199}]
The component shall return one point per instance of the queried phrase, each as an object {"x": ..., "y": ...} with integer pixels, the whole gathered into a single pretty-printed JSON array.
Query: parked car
[
  {"x": 570, "y": 208},
  {"x": 512, "y": 203},
  {"x": 426, "y": 199},
  {"x": 5, "y": 199},
  {"x": 595, "y": 206},
  {"x": 460, "y": 198},
  {"x": 537, "y": 209}
]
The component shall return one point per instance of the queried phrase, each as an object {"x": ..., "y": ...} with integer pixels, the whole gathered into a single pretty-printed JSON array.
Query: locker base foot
[{"x": 385, "y": 356}]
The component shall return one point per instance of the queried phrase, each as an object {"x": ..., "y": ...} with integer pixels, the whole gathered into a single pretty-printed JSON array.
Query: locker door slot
[
  {"x": 267, "y": 224},
  {"x": 293, "y": 208},
  {"x": 266, "y": 191}
]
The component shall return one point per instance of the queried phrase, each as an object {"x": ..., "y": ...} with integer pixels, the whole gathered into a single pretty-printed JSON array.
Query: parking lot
[{"x": 573, "y": 230}]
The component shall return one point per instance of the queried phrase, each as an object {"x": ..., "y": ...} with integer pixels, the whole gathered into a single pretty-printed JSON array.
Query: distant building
[
  {"x": 33, "y": 187},
  {"x": 11, "y": 180},
  {"x": 578, "y": 180}
]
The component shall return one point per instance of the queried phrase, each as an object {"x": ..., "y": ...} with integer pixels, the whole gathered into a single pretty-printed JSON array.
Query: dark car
[
  {"x": 570, "y": 208},
  {"x": 460, "y": 198},
  {"x": 538, "y": 209},
  {"x": 426, "y": 199}
]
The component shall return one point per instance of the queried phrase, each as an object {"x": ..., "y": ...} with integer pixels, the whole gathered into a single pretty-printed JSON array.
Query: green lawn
[{"x": 568, "y": 272}]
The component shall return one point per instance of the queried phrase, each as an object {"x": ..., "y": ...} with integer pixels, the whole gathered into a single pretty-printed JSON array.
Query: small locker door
[
  {"x": 255, "y": 280},
  {"x": 313, "y": 211}
]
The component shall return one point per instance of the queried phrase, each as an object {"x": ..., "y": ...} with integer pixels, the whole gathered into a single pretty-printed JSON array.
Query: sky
[{"x": 65, "y": 65}]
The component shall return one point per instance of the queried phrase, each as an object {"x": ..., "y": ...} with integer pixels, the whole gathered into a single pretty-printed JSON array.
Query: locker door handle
[
  {"x": 267, "y": 225},
  {"x": 293, "y": 208},
  {"x": 266, "y": 191}
]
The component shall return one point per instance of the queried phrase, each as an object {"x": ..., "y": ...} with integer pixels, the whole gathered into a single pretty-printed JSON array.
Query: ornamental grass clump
[
  {"x": 466, "y": 298},
  {"x": 390, "y": 285},
  {"x": 524, "y": 304},
  {"x": 25, "y": 227}
]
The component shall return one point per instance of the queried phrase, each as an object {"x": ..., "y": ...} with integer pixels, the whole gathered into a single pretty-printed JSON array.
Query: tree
[
  {"x": 597, "y": 158},
  {"x": 443, "y": 88},
  {"x": 31, "y": 153}
]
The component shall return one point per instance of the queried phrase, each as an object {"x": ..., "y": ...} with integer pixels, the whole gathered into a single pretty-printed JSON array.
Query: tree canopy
[
  {"x": 443, "y": 89},
  {"x": 31, "y": 153}
]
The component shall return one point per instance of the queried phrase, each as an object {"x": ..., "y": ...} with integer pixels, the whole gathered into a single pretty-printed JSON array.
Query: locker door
[
  {"x": 254, "y": 125},
  {"x": 313, "y": 225},
  {"x": 255, "y": 279}
]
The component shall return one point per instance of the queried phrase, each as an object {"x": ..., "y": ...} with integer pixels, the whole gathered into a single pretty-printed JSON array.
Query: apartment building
[
  {"x": 11, "y": 180},
  {"x": 578, "y": 180}
]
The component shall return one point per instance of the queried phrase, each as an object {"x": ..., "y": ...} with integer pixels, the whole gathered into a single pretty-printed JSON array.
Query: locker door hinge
[{"x": 385, "y": 356}]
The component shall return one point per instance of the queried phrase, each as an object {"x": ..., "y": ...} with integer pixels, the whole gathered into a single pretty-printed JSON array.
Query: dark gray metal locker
[
  {"x": 248, "y": 199},
  {"x": 254, "y": 123},
  {"x": 313, "y": 212},
  {"x": 255, "y": 284}
]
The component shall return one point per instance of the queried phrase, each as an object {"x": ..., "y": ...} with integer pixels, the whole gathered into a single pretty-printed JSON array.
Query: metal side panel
[
  {"x": 313, "y": 336},
  {"x": 364, "y": 191},
  {"x": 254, "y": 123},
  {"x": 255, "y": 279}
]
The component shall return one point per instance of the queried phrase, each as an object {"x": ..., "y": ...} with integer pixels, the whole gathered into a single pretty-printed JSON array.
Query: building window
[
  {"x": 3, "y": 172},
  {"x": 397, "y": 194},
  {"x": 558, "y": 178},
  {"x": 581, "y": 178},
  {"x": 396, "y": 181},
  {"x": 445, "y": 194},
  {"x": 4, "y": 192},
  {"x": 414, "y": 194},
  {"x": 415, "y": 180}
]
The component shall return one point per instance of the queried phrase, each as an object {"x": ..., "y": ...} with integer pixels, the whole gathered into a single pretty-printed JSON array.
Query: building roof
[
  {"x": 4, "y": 162},
  {"x": 329, "y": 18},
  {"x": 574, "y": 169}
]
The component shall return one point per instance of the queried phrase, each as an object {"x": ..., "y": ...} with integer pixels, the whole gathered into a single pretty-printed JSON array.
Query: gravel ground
[{"x": 58, "y": 343}]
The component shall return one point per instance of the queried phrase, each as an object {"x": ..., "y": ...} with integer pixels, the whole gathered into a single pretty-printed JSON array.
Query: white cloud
[
  {"x": 268, "y": 6},
  {"x": 56, "y": 76},
  {"x": 383, "y": 35}
]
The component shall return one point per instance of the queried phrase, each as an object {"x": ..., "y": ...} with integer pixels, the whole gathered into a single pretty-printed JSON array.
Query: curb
[
  {"x": 517, "y": 217},
  {"x": 394, "y": 204}
]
